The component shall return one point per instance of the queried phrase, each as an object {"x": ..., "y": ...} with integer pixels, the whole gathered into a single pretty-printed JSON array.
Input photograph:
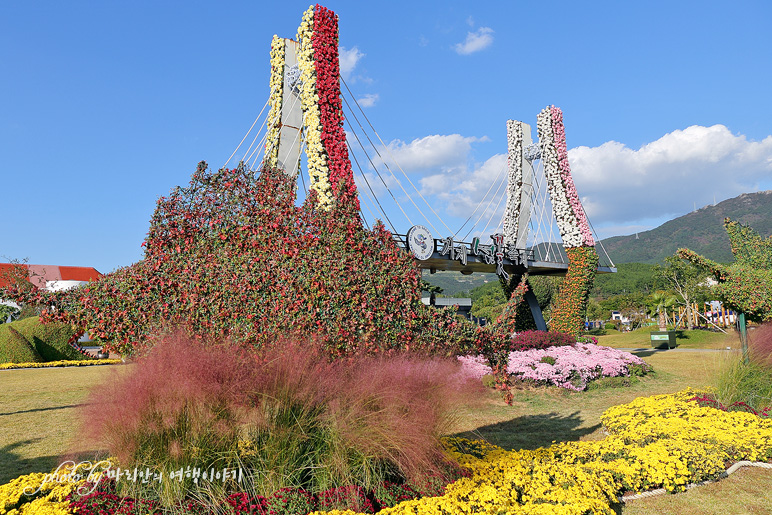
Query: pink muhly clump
[
  {"x": 187, "y": 397},
  {"x": 397, "y": 407},
  {"x": 760, "y": 344},
  {"x": 180, "y": 385}
]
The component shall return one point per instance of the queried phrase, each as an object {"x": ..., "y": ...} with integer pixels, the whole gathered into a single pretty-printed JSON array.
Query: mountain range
[{"x": 701, "y": 231}]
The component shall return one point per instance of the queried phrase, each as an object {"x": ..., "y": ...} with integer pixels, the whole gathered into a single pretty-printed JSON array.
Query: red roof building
[{"x": 51, "y": 277}]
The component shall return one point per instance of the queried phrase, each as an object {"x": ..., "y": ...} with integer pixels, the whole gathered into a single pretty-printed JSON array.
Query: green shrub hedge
[
  {"x": 15, "y": 348},
  {"x": 49, "y": 340}
]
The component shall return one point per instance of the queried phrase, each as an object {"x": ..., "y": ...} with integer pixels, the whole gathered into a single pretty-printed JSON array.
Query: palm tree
[{"x": 660, "y": 301}]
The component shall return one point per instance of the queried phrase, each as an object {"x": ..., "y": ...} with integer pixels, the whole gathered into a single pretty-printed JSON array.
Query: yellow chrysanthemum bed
[
  {"x": 661, "y": 441},
  {"x": 63, "y": 363}
]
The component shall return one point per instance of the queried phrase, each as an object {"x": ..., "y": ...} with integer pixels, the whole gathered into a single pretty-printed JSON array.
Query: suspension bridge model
[{"x": 542, "y": 223}]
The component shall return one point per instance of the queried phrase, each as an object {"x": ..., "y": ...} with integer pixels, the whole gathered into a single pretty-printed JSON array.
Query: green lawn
[
  {"x": 39, "y": 420},
  {"x": 696, "y": 339}
]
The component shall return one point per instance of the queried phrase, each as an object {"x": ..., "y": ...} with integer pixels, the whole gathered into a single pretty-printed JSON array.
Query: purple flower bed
[{"x": 570, "y": 367}]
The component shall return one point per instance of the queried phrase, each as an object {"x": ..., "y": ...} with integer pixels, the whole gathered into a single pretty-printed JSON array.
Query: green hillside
[
  {"x": 454, "y": 282},
  {"x": 701, "y": 231}
]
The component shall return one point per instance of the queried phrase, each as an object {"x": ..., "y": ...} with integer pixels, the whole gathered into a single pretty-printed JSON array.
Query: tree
[
  {"x": 6, "y": 311},
  {"x": 746, "y": 284},
  {"x": 659, "y": 302},
  {"x": 689, "y": 283}
]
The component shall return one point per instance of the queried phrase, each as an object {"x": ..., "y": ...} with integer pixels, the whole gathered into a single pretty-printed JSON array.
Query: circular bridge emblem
[{"x": 420, "y": 242}]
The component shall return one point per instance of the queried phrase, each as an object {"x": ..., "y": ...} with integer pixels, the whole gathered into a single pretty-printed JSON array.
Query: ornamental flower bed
[
  {"x": 664, "y": 441},
  {"x": 572, "y": 367},
  {"x": 63, "y": 363}
]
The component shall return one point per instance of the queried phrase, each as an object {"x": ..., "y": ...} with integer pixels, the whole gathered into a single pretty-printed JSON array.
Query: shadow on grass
[
  {"x": 532, "y": 431},
  {"x": 12, "y": 465},
  {"x": 41, "y": 409},
  {"x": 645, "y": 353}
]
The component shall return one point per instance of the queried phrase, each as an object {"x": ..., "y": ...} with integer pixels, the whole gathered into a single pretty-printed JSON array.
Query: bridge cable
[
  {"x": 250, "y": 130},
  {"x": 479, "y": 203},
  {"x": 395, "y": 161},
  {"x": 485, "y": 210},
  {"x": 493, "y": 213},
  {"x": 356, "y": 161},
  {"x": 380, "y": 177}
]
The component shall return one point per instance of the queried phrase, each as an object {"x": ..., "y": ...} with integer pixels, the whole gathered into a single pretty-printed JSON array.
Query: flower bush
[
  {"x": 572, "y": 222},
  {"x": 328, "y": 163},
  {"x": 273, "y": 122},
  {"x": 233, "y": 255},
  {"x": 514, "y": 180},
  {"x": 573, "y": 367},
  {"x": 571, "y": 302},
  {"x": 568, "y": 366}
]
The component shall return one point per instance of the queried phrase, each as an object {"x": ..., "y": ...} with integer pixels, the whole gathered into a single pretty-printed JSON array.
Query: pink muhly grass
[
  {"x": 180, "y": 392},
  {"x": 398, "y": 407},
  {"x": 760, "y": 344},
  {"x": 305, "y": 421}
]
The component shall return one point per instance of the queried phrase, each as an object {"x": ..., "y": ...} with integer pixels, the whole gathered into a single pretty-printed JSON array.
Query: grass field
[
  {"x": 39, "y": 420},
  {"x": 697, "y": 339}
]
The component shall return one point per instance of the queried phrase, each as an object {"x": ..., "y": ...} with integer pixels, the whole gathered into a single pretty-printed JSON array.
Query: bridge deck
[
  {"x": 439, "y": 262},
  {"x": 477, "y": 263}
]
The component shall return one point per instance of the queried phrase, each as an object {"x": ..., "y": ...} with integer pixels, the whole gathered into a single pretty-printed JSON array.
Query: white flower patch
[{"x": 514, "y": 180}]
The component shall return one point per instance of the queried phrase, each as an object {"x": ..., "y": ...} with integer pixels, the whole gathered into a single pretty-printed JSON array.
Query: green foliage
[
  {"x": 750, "y": 383},
  {"x": 429, "y": 287},
  {"x": 597, "y": 312},
  {"x": 571, "y": 304},
  {"x": 6, "y": 311},
  {"x": 50, "y": 341},
  {"x": 745, "y": 285},
  {"x": 687, "y": 282},
  {"x": 453, "y": 283},
  {"x": 15, "y": 348},
  {"x": 630, "y": 277},
  {"x": 488, "y": 301}
]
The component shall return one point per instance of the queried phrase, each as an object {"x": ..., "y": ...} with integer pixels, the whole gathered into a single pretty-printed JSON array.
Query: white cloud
[
  {"x": 475, "y": 41},
  {"x": 670, "y": 175},
  {"x": 348, "y": 60},
  {"x": 368, "y": 100},
  {"x": 444, "y": 152},
  {"x": 623, "y": 190}
]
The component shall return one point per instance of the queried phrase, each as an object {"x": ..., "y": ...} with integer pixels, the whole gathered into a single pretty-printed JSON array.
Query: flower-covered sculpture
[
  {"x": 514, "y": 181},
  {"x": 277, "y": 94},
  {"x": 329, "y": 167},
  {"x": 572, "y": 223}
]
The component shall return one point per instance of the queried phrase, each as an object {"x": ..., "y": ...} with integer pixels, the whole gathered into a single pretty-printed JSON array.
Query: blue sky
[{"x": 108, "y": 105}]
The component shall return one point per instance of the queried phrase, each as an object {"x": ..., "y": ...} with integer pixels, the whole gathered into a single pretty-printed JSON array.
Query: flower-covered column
[
  {"x": 572, "y": 223},
  {"x": 514, "y": 181},
  {"x": 277, "y": 92},
  {"x": 328, "y": 161}
]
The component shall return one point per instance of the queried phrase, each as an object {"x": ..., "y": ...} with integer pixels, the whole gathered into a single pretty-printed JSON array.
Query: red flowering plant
[{"x": 233, "y": 255}]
